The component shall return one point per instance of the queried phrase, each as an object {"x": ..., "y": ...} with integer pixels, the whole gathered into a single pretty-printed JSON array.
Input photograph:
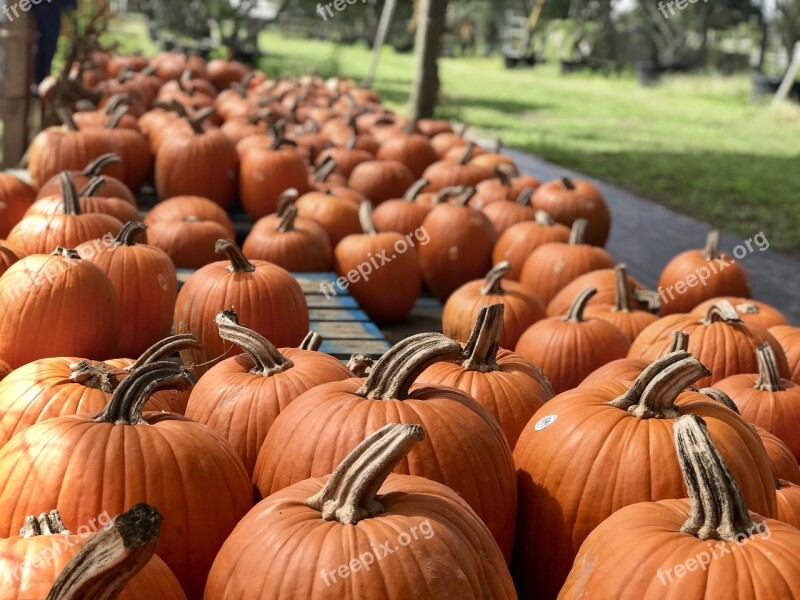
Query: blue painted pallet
[{"x": 335, "y": 315}]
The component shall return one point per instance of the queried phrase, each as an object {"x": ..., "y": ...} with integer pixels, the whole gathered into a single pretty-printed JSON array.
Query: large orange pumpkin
[
  {"x": 15, "y": 198},
  {"x": 348, "y": 517},
  {"x": 720, "y": 340},
  {"x": 90, "y": 201},
  {"x": 622, "y": 313},
  {"x": 241, "y": 396},
  {"x": 605, "y": 280},
  {"x": 568, "y": 348},
  {"x": 788, "y": 494},
  {"x": 522, "y": 306},
  {"x": 111, "y": 188},
  {"x": 698, "y": 275},
  {"x": 520, "y": 240},
  {"x": 789, "y": 339},
  {"x": 184, "y": 469},
  {"x": 568, "y": 200},
  {"x": 266, "y": 173},
  {"x": 57, "y": 305},
  {"x": 751, "y": 311},
  {"x": 33, "y": 561},
  {"x": 612, "y": 443},
  {"x": 320, "y": 427},
  {"x": 550, "y": 267},
  {"x": 267, "y": 297},
  {"x": 508, "y": 385},
  {"x": 784, "y": 464},
  {"x": 696, "y": 549}
]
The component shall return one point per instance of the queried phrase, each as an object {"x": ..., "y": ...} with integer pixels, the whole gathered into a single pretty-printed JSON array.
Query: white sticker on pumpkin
[{"x": 544, "y": 422}]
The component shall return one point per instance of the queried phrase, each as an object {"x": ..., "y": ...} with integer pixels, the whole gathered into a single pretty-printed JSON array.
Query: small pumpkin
[
  {"x": 751, "y": 311},
  {"x": 16, "y": 196},
  {"x": 550, "y": 267},
  {"x": 90, "y": 200},
  {"x": 568, "y": 200},
  {"x": 717, "y": 274},
  {"x": 605, "y": 280},
  {"x": 788, "y": 494},
  {"x": 789, "y": 339},
  {"x": 449, "y": 172},
  {"x": 223, "y": 73},
  {"x": 347, "y": 157},
  {"x": 519, "y": 241},
  {"x": 266, "y": 173},
  {"x": 412, "y": 149},
  {"x": 241, "y": 396},
  {"x": 712, "y": 528},
  {"x": 381, "y": 180},
  {"x": 404, "y": 215},
  {"x": 622, "y": 313},
  {"x": 784, "y": 464},
  {"x": 111, "y": 188},
  {"x": 522, "y": 307},
  {"x": 337, "y": 216},
  {"x": 505, "y": 214},
  {"x": 381, "y": 268}
]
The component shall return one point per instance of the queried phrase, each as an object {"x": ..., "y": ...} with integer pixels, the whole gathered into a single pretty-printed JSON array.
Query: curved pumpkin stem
[
  {"x": 66, "y": 253},
  {"x": 165, "y": 348},
  {"x": 325, "y": 169},
  {"x": 484, "y": 340},
  {"x": 567, "y": 183},
  {"x": 415, "y": 189},
  {"x": 311, "y": 342},
  {"x": 468, "y": 152},
  {"x": 524, "y": 198},
  {"x": 465, "y": 197},
  {"x": 722, "y": 312},
  {"x": 288, "y": 197},
  {"x": 196, "y": 121},
  {"x": 575, "y": 313},
  {"x": 654, "y": 392},
  {"x": 448, "y": 192},
  {"x": 505, "y": 173},
  {"x": 289, "y": 214},
  {"x": 769, "y": 377},
  {"x": 720, "y": 397},
  {"x": 577, "y": 234},
  {"x": 711, "y": 250},
  {"x": 92, "y": 186},
  {"x": 350, "y": 492},
  {"x": 111, "y": 558},
  {"x": 393, "y": 375},
  {"x": 45, "y": 524},
  {"x": 718, "y": 508},
  {"x": 650, "y": 299},
  {"x": 65, "y": 116},
  {"x": 622, "y": 295},
  {"x": 116, "y": 116},
  {"x": 268, "y": 360},
  {"x": 359, "y": 364},
  {"x": 125, "y": 405},
  {"x": 492, "y": 285},
  {"x": 365, "y": 218},
  {"x": 99, "y": 164},
  {"x": 239, "y": 264},
  {"x": 97, "y": 376},
  {"x": 132, "y": 232},
  {"x": 680, "y": 342},
  {"x": 543, "y": 218},
  {"x": 69, "y": 193}
]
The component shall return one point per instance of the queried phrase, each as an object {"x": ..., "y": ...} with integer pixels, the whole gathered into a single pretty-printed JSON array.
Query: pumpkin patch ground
[{"x": 267, "y": 337}]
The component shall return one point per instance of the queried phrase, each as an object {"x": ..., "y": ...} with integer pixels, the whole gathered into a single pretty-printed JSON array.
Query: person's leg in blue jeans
[{"x": 48, "y": 21}]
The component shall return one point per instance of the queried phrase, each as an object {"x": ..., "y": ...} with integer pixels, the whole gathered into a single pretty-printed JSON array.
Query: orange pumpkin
[
  {"x": 320, "y": 427},
  {"x": 266, "y": 173},
  {"x": 522, "y": 307},
  {"x": 569, "y": 348},
  {"x": 712, "y": 530},
  {"x": 519, "y": 241},
  {"x": 613, "y": 442},
  {"x": 788, "y": 494},
  {"x": 717, "y": 273},
  {"x": 451, "y": 172},
  {"x": 784, "y": 464},
  {"x": 7, "y": 258},
  {"x": 241, "y": 396},
  {"x": 90, "y": 200},
  {"x": 622, "y": 314},
  {"x": 337, "y": 216},
  {"x": 404, "y": 215},
  {"x": 505, "y": 214},
  {"x": 568, "y": 200},
  {"x": 751, "y": 311},
  {"x": 381, "y": 180},
  {"x": 605, "y": 280},
  {"x": 111, "y": 187},
  {"x": 15, "y": 198},
  {"x": 789, "y": 339},
  {"x": 411, "y": 149},
  {"x": 350, "y": 519},
  {"x": 263, "y": 294},
  {"x": 550, "y": 267}
]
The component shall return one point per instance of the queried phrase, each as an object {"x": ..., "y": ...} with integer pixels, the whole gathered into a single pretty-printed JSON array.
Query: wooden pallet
[{"x": 344, "y": 327}]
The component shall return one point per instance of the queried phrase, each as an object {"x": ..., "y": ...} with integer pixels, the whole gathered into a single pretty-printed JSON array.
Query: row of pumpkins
[{"x": 280, "y": 473}]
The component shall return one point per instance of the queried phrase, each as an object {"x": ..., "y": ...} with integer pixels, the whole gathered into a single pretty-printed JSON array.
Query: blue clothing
[{"x": 48, "y": 22}]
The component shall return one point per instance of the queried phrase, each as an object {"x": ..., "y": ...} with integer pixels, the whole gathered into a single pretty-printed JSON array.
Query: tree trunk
[{"x": 430, "y": 26}]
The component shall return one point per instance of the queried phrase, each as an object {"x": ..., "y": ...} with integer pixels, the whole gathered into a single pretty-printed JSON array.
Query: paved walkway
[{"x": 645, "y": 236}]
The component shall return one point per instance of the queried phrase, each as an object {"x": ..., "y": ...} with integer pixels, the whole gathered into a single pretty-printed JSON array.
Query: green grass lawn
[{"x": 695, "y": 143}]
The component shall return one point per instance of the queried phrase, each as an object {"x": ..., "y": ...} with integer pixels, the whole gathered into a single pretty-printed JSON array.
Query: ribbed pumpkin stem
[
  {"x": 69, "y": 193},
  {"x": 311, "y": 342},
  {"x": 132, "y": 232},
  {"x": 711, "y": 250},
  {"x": 720, "y": 397},
  {"x": 524, "y": 198},
  {"x": 97, "y": 376},
  {"x": 45, "y": 524},
  {"x": 359, "y": 364},
  {"x": 289, "y": 214},
  {"x": 567, "y": 183},
  {"x": 722, "y": 311},
  {"x": 680, "y": 342},
  {"x": 769, "y": 377},
  {"x": 167, "y": 347},
  {"x": 505, "y": 173},
  {"x": 718, "y": 508},
  {"x": 484, "y": 341},
  {"x": 196, "y": 121},
  {"x": 111, "y": 558},
  {"x": 654, "y": 392},
  {"x": 66, "y": 253},
  {"x": 465, "y": 197},
  {"x": 115, "y": 117},
  {"x": 92, "y": 186},
  {"x": 492, "y": 285},
  {"x": 448, "y": 192},
  {"x": 365, "y": 218},
  {"x": 543, "y": 218},
  {"x": 577, "y": 234},
  {"x": 125, "y": 405},
  {"x": 350, "y": 492},
  {"x": 288, "y": 197},
  {"x": 239, "y": 264},
  {"x": 467, "y": 156},
  {"x": 268, "y": 360},
  {"x": 325, "y": 169},
  {"x": 575, "y": 313},
  {"x": 622, "y": 293},
  {"x": 65, "y": 116},
  {"x": 393, "y": 375},
  {"x": 98, "y": 165},
  {"x": 415, "y": 189}
]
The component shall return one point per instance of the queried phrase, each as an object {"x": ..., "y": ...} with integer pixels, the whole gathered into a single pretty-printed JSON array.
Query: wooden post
[
  {"x": 380, "y": 39},
  {"x": 788, "y": 79},
  {"x": 425, "y": 88},
  {"x": 17, "y": 38}
]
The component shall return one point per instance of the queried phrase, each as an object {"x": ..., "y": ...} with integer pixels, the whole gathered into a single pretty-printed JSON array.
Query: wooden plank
[
  {"x": 332, "y": 302},
  {"x": 336, "y": 314},
  {"x": 343, "y": 349},
  {"x": 347, "y": 330},
  {"x": 16, "y": 101}
]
